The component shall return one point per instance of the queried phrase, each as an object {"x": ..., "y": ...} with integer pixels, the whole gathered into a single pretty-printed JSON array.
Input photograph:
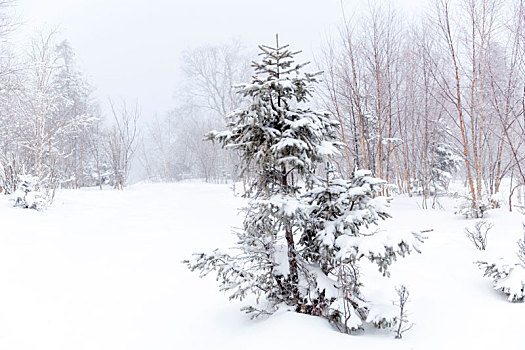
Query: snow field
[{"x": 101, "y": 270}]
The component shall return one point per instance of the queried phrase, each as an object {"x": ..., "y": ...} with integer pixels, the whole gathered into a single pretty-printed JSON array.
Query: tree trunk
[{"x": 292, "y": 255}]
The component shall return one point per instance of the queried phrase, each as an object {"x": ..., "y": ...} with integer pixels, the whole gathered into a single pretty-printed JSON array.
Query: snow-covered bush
[
  {"x": 474, "y": 209},
  {"x": 301, "y": 242},
  {"x": 508, "y": 277},
  {"x": 27, "y": 194}
]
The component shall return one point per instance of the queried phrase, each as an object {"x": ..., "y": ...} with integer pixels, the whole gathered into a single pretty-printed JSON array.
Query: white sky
[{"x": 131, "y": 48}]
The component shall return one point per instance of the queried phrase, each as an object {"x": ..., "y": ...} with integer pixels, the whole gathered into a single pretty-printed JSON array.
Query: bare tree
[
  {"x": 122, "y": 141},
  {"x": 211, "y": 72},
  {"x": 174, "y": 148},
  {"x": 96, "y": 142}
]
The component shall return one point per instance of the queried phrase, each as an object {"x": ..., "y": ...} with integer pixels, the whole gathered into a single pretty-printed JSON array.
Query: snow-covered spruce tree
[
  {"x": 446, "y": 162},
  {"x": 300, "y": 240},
  {"x": 507, "y": 277},
  {"x": 27, "y": 194}
]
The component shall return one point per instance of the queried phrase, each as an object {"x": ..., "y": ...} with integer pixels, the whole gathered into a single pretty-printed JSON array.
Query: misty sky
[{"x": 131, "y": 48}]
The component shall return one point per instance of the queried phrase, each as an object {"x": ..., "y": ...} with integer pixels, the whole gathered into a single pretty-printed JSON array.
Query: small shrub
[
  {"x": 478, "y": 234},
  {"x": 474, "y": 209}
]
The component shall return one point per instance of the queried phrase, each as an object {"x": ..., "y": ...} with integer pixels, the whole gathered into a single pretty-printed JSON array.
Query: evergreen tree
[
  {"x": 301, "y": 233},
  {"x": 446, "y": 162},
  {"x": 277, "y": 138},
  {"x": 27, "y": 194}
]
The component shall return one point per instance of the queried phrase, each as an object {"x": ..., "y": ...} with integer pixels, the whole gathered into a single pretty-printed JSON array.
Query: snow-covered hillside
[{"x": 102, "y": 270}]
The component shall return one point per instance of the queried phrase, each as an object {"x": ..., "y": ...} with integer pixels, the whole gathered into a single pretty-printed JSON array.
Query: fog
[{"x": 131, "y": 49}]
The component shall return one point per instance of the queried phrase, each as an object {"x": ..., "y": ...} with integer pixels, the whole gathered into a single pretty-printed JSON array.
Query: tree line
[
  {"x": 421, "y": 100},
  {"x": 418, "y": 101}
]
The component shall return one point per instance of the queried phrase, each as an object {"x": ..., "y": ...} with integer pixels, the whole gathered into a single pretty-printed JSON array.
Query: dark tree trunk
[{"x": 292, "y": 255}]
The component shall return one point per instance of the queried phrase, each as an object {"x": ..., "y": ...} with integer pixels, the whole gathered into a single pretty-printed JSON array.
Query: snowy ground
[{"x": 101, "y": 270}]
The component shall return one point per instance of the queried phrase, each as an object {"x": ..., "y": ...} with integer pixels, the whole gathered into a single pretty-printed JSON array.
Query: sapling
[
  {"x": 521, "y": 250},
  {"x": 402, "y": 321}
]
